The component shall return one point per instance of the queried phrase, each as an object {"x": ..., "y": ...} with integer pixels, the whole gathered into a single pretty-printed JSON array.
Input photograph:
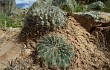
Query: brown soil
[
  {"x": 88, "y": 55},
  {"x": 9, "y": 48}
]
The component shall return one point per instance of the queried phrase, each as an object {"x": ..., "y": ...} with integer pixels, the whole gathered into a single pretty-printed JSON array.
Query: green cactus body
[
  {"x": 65, "y": 5},
  {"x": 50, "y": 16},
  {"x": 55, "y": 50}
]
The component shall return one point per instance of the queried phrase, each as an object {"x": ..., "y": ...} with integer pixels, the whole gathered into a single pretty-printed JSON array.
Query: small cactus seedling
[{"x": 55, "y": 50}]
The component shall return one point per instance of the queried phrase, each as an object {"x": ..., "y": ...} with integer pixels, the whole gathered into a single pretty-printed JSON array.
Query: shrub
[
  {"x": 88, "y": 1},
  {"x": 66, "y": 5},
  {"x": 5, "y": 21},
  {"x": 11, "y": 21},
  {"x": 80, "y": 8},
  {"x": 66, "y": 8},
  {"x": 55, "y": 51},
  {"x": 19, "y": 20},
  {"x": 107, "y": 6}
]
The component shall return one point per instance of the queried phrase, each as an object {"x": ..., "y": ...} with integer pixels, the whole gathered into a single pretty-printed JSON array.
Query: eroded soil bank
[{"x": 88, "y": 55}]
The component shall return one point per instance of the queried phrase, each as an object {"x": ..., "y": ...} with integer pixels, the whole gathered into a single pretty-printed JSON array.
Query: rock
[
  {"x": 91, "y": 19},
  {"x": 26, "y": 53},
  {"x": 7, "y": 6},
  {"x": 2, "y": 3},
  {"x": 96, "y": 6}
]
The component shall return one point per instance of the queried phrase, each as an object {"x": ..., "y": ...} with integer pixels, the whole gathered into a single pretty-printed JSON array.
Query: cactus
[
  {"x": 49, "y": 15},
  {"x": 65, "y": 5},
  {"x": 41, "y": 20},
  {"x": 55, "y": 51}
]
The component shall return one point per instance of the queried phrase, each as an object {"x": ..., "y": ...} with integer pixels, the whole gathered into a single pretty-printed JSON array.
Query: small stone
[{"x": 26, "y": 53}]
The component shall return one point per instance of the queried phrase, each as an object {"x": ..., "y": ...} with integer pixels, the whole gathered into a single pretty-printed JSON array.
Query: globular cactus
[
  {"x": 49, "y": 15},
  {"x": 42, "y": 20},
  {"x": 65, "y": 5},
  {"x": 55, "y": 50}
]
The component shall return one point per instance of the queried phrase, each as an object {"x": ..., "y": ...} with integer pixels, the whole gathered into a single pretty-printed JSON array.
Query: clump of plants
[
  {"x": 80, "y": 8},
  {"x": 42, "y": 20},
  {"x": 65, "y": 5},
  {"x": 50, "y": 16},
  {"x": 11, "y": 21},
  {"x": 107, "y": 7},
  {"x": 5, "y": 21},
  {"x": 55, "y": 51}
]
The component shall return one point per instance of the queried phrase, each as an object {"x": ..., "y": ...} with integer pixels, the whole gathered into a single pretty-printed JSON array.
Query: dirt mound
[
  {"x": 102, "y": 35},
  {"x": 88, "y": 55}
]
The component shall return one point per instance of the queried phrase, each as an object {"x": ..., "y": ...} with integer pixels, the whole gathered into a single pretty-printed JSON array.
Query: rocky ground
[
  {"x": 9, "y": 48},
  {"x": 88, "y": 56}
]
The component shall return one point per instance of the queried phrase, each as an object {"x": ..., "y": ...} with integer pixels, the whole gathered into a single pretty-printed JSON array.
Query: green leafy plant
[
  {"x": 55, "y": 51},
  {"x": 19, "y": 20},
  {"x": 79, "y": 8},
  {"x": 66, "y": 8},
  {"x": 107, "y": 7},
  {"x": 5, "y": 21},
  {"x": 11, "y": 21}
]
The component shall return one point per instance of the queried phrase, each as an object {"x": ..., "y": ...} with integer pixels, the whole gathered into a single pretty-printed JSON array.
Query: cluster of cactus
[
  {"x": 55, "y": 51},
  {"x": 41, "y": 20},
  {"x": 65, "y": 5},
  {"x": 49, "y": 15}
]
